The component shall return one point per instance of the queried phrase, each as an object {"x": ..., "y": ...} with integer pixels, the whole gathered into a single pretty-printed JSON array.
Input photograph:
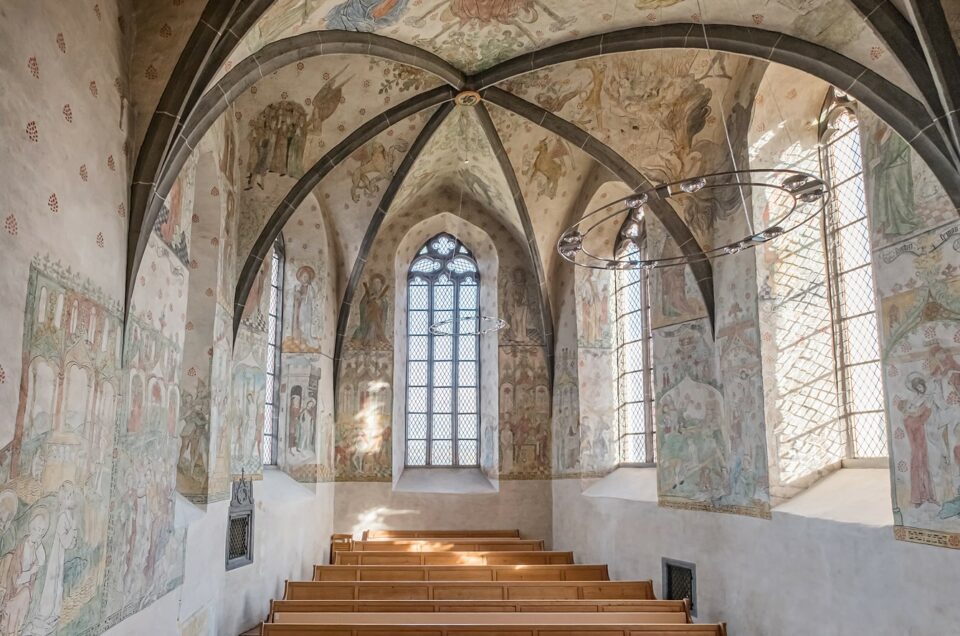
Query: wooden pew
[
  {"x": 448, "y": 545},
  {"x": 460, "y": 573},
  {"x": 466, "y": 618},
  {"x": 467, "y": 590},
  {"x": 541, "y": 557},
  {"x": 369, "y": 535},
  {"x": 300, "y": 629},
  {"x": 599, "y": 605}
]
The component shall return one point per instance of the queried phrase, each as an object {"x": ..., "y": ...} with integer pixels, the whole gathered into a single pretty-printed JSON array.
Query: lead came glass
[
  {"x": 271, "y": 414},
  {"x": 852, "y": 288},
  {"x": 443, "y": 286},
  {"x": 632, "y": 332}
]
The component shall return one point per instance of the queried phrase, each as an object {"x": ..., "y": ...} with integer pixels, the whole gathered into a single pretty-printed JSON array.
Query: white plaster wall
[
  {"x": 825, "y": 564},
  {"x": 293, "y": 526},
  {"x": 523, "y": 504}
]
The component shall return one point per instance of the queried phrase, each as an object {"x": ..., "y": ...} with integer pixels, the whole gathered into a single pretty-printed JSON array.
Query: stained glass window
[
  {"x": 271, "y": 411},
  {"x": 443, "y": 371},
  {"x": 852, "y": 290},
  {"x": 633, "y": 364}
]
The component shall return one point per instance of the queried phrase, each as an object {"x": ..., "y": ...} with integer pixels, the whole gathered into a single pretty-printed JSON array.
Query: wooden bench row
[
  {"x": 486, "y": 618},
  {"x": 461, "y": 544},
  {"x": 460, "y": 573},
  {"x": 540, "y": 606},
  {"x": 507, "y": 629},
  {"x": 466, "y": 590},
  {"x": 434, "y": 534},
  {"x": 540, "y": 557}
]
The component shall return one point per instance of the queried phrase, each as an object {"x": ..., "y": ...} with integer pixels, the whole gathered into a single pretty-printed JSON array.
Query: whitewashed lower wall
[
  {"x": 523, "y": 504},
  {"x": 293, "y": 526},
  {"x": 825, "y": 564}
]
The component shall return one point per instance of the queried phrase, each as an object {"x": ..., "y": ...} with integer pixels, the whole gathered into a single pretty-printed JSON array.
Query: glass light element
[
  {"x": 693, "y": 185},
  {"x": 637, "y": 201},
  {"x": 570, "y": 243},
  {"x": 632, "y": 230}
]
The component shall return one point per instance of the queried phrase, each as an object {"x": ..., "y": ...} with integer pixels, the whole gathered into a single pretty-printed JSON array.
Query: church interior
[{"x": 463, "y": 317}]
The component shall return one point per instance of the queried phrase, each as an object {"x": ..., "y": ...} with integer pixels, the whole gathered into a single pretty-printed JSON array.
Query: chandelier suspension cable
[{"x": 726, "y": 128}]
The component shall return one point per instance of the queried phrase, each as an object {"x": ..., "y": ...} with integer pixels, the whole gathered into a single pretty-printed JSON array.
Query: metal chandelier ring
[{"x": 806, "y": 196}]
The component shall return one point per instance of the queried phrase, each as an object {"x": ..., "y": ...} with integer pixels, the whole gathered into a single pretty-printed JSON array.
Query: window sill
[
  {"x": 627, "y": 482},
  {"x": 444, "y": 481}
]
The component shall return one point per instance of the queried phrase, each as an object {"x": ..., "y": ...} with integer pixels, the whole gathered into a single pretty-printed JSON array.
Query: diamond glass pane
[
  {"x": 441, "y": 453},
  {"x": 419, "y": 295},
  {"x": 442, "y": 347},
  {"x": 854, "y": 245},
  {"x": 467, "y": 427},
  {"x": 467, "y": 374},
  {"x": 417, "y": 399},
  {"x": 860, "y": 336},
  {"x": 461, "y": 265},
  {"x": 865, "y": 386},
  {"x": 267, "y": 449},
  {"x": 442, "y": 426},
  {"x": 443, "y": 374},
  {"x": 848, "y": 201},
  {"x": 467, "y": 452},
  {"x": 416, "y": 453},
  {"x": 857, "y": 287},
  {"x": 418, "y": 323},
  {"x": 442, "y": 400},
  {"x": 417, "y": 426},
  {"x": 443, "y": 296},
  {"x": 467, "y": 400},
  {"x": 417, "y": 373},
  {"x": 425, "y": 266},
  {"x": 870, "y": 434},
  {"x": 468, "y": 347},
  {"x": 468, "y": 297},
  {"x": 417, "y": 347}
]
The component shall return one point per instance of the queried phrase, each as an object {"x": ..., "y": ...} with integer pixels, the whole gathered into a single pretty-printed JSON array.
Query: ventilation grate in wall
[
  {"x": 680, "y": 582},
  {"x": 240, "y": 525}
]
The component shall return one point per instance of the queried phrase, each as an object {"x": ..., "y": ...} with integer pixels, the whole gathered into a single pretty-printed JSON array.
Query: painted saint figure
[
  {"x": 892, "y": 196},
  {"x": 916, "y": 411},
  {"x": 371, "y": 332},
  {"x": 518, "y": 315},
  {"x": 365, "y": 15},
  {"x": 304, "y": 298},
  {"x": 18, "y": 573}
]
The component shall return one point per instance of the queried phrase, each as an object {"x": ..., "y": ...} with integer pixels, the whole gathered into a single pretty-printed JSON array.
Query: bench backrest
[
  {"x": 601, "y": 605},
  {"x": 483, "y": 618},
  {"x": 433, "y": 534},
  {"x": 300, "y": 629},
  {"x": 541, "y": 557},
  {"x": 448, "y": 545},
  {"x": 467, "y": 590},
  {"x": 460, "y": 573}
]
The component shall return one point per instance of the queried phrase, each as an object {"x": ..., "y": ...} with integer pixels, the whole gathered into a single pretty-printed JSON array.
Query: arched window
[
  {"x": 633, "y": 367},
  {"x": 271, "y": 411},
  {"x": 850, "y": 275},
  {"x": 443, "y": 371}
]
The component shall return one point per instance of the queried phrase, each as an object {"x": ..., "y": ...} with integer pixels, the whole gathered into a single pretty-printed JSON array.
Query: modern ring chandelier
[
  {"x": 796, "y": 197},
  {"x": 485, "y": 325}
]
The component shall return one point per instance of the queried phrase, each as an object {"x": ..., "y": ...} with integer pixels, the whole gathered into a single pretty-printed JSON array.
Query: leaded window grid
[
  {"x": 636, "y": 441},
  {"x": 858, "y": 376},
  {"x": 271, "y": 410},
  {"x": 443, "y": 262}
]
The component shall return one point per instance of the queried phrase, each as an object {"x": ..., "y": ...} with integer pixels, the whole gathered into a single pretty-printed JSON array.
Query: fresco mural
[
  {"x": 305, "y": 307},
  {"x": 58, "y": 470},
  {"x": 566, "y": 415},
  {"x": 475, "y": 35},
  {"x": 173, "y": 222},
  {"x": 363, "y": 442},
  {"x": 524, "y": 413},
  {"x": 305, "y": 407},
  {"x": 248, "y": 389},
  {"x": 288, "y": 120}
]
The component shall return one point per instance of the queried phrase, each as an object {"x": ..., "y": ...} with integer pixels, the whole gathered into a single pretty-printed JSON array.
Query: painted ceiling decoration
[{"x": 556, "y": 67}]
